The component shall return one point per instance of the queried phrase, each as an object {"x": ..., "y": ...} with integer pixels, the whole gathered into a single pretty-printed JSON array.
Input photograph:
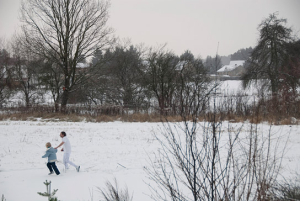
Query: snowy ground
[{"x": 103, "y": 150}]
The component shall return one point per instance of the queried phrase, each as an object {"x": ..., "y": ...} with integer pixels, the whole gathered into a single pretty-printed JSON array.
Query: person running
[
  {"x": 51, "y": 154},
  {"x": 67, "y": 151}
]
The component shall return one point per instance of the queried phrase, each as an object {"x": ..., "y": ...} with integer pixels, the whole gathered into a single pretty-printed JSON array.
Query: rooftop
[{"x": 232, "y": 65}]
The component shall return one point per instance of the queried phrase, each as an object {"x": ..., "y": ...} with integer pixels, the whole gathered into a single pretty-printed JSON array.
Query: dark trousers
[{"x": 52, "y": 166}]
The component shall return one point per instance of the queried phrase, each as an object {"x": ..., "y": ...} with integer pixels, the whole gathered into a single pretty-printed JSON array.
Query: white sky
[{"x": 196, "y": 25}]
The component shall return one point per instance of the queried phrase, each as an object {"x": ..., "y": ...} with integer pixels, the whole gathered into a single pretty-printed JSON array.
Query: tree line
[{"x": 124, "y": 74}]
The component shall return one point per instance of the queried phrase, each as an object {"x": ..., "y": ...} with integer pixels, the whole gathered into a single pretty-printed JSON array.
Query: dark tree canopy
[
  {"x": 268, "y": 57},
  {"x": 213, "y": 64},
  {"x": 242, "y": 54},
  {"x": 161, "y": 76}
]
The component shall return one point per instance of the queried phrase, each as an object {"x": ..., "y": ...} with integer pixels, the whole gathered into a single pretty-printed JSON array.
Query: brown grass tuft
[
  {"x": 256, "y": 116},
  {"x": 105, "y": 118}
]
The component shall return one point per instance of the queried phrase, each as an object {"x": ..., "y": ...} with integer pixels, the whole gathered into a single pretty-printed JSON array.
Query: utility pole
[{"x": 214, "y": 140}]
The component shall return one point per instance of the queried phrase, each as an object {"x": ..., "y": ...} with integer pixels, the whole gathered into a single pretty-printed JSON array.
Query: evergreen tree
[
  {"x": 241, "y": 54},
  {"x": 290, "y": 75},
  {"x": 97, "y": 56},
  {"x": 268, "y": 57},
  {"x": 48, "y": 193},
  {"x": 187, "y": 56}
]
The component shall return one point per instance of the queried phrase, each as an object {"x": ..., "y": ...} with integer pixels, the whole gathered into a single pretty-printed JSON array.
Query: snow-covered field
[{"x": 103, "y": 150}]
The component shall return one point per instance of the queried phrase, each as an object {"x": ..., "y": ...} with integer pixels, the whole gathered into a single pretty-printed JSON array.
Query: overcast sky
[{"x": 195, "y": 25}]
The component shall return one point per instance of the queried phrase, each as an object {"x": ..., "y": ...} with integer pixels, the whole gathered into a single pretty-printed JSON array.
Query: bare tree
[
  {"x": 124, "y": 76},
  {"x": 213, "y": 64},
  {"x": 192, "y": 85},
  {"x": 24, "y": 70},
  {"x": 160, "y": 75},
  {"x": 205, "y": 161},
  {"x": 66, "y": 32},
  {"x": 50, "y": 77},
  {"x": 5, "y": 73}
]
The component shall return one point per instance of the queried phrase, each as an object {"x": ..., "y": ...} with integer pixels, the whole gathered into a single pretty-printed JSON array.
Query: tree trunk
[
  {"x": 64, "y": 100},
  {"x": 27, "y": 100},
  {"x": 56, "y": 106}
]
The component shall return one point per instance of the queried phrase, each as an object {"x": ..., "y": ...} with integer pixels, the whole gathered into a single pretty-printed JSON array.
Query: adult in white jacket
[{"x": 67, "y": 151}]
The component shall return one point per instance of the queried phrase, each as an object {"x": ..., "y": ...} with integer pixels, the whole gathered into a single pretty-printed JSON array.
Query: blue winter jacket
[{"x": 51, "y": 154}]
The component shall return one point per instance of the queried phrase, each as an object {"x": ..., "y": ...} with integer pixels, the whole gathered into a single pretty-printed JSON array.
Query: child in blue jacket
[{"x": 51, "y": 154}]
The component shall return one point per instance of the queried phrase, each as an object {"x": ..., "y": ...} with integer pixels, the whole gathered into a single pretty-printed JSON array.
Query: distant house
[
  {"x": 180, "y": 65},
  {"x": 235, "y": 68},
  {"x": 82, "y": 65}
]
